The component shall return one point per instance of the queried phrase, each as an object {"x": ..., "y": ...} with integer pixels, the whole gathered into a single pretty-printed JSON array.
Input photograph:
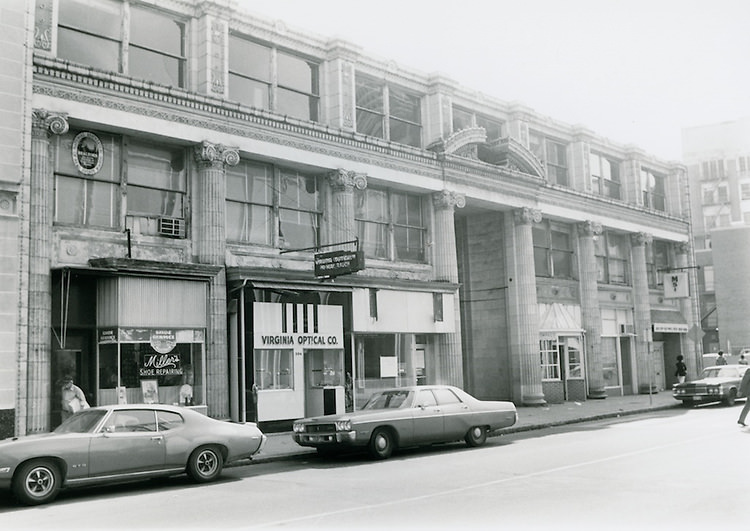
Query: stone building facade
[{"x": 219, "y": 211}]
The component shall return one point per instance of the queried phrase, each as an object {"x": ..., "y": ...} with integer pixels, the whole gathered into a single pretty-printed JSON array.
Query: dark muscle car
[
  {"x": 122, "y": 442},
  {"x": 407, "y": 416},
  {"x": 720, "y": 383}
]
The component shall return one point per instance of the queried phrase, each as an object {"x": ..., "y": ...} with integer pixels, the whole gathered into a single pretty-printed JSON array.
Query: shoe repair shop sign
[{"x": 336, "y": 263}]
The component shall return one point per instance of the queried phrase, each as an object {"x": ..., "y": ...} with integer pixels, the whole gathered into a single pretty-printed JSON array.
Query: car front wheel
[
  {"x": 729, "y": 400},
  {"x": 205, "y": 464},
  {"x": 36, "y": 482},
  {"x": 382, "y": 444},
  {"x": 476, "y": 436}
]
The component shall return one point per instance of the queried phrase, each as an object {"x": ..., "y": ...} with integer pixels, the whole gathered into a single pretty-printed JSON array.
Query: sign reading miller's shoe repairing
[{"x": 335, "y": 263}]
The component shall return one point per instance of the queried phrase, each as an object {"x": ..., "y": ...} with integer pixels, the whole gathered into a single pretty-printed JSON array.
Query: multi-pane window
[
  {"x": 550, "y": 359},
  {"x": 745, "y": 191},
  {"x": 612, "y": 252},
  {"x": 712, "y": 169},
  {"x": 654, "y": 192},
  {"x": 156, "y": 181},
  {"x": 657, "y": 262},
  {"x": 249, "y": 208},
  {"x": 151, "y": 47},
  {"x": 293, "y": 91},
  {"x": 390, "y": 224},
  {"x": 388, "y": 112},
  {"x": 553, "y": 250},
  {"x": 605, "y": 176},
  {"x": 90, "y": 199},
  {"x": 299, "y": 210},
  {"x": 463, "y": 119},
  {"x": 553, "y": 155}
]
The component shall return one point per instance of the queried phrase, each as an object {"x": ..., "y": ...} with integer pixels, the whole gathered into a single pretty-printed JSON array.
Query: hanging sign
[
  {"x": 335, "y": 263},
  {"x": 676, "y": 285}
]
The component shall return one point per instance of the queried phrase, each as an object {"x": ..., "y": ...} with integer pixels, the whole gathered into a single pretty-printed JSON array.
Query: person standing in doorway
[
  {"x": 73, "y": 399},
  {"x": 720, "y": 359},
  {"x": 681, "y": 371},
  {"x": 744, "y": 390}
]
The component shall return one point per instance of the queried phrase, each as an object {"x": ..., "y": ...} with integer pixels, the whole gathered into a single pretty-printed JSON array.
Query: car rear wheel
[
  {"x": 729, "y": 400},
  {"x": 382, "y": 444},
  {"x": 205, "y": 464},
  {"x": 476, "y": 436},
  {"x": 36, "y": 482}
]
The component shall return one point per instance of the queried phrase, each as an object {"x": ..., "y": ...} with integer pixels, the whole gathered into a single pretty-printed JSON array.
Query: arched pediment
[
  {"x": 512, "y": 154},
  {"x": 462, "y": 143}
]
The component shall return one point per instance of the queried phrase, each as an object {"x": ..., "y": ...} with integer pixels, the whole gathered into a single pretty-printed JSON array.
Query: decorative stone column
[
  {"x": 41, "y": 199},
  {"x": 210, "y": 245},
  {"x": 523, "y": 310},
  {"x": 642, "y": 311},
  {"x": 342, "y": 227},
  {"x": 448, "y": 346},
  {"x": 590, "y": 314},
  {"x": 689, "y": 342}
]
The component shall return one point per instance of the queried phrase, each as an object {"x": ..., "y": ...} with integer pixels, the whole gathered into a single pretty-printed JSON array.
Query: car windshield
[
  {"x": 388, "y": 400},
  {"x": 81, "y": 422},
  {"x": 720, "y": 372}
]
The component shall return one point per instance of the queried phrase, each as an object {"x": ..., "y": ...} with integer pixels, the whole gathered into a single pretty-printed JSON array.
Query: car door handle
[{"x": 157, "y": 438}]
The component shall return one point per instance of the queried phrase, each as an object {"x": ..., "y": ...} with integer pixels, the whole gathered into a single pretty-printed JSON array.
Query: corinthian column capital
[
  {"x": 640, "y": 238},
  {"x": 208, "y": 153},
  {"x": 527, "y": 216},
  {"x": 342, "y": 180},
  {"x": 682, "y": 247},
  {"x": 44, "y": 122},
  {"x": 448, "y": 200},
  {"x": 590, "y": 228}
]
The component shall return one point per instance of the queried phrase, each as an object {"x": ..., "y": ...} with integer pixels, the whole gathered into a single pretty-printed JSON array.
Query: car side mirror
[{"x": 107, "y": 430}]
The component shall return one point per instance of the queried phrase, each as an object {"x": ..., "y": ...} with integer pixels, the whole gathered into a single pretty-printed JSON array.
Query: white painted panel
[{"x": 402, "y": 311}]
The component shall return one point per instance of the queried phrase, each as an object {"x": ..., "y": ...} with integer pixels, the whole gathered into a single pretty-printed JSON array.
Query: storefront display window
[
  {"x": 273, "y": 369},
  {"x": 326, "y": 367}
]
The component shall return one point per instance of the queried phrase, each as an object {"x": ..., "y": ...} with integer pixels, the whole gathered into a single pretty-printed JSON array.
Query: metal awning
[
  {"x": 297, "y": 286},
  {"x": 669, "y": 321}
]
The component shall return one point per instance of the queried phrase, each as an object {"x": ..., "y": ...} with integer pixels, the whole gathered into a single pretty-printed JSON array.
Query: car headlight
[
  {"x": 343, "y": 425},
  {"x": 298, "y": 427}
]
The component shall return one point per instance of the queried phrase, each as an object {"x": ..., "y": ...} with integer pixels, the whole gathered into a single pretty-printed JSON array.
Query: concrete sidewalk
[{"x": 281, "y": 446}]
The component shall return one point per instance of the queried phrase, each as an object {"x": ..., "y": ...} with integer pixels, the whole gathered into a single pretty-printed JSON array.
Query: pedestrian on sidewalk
[
  {"x": 681, "y": 371},
  {"x": 721, "y": 360},
  {"x": 744, "y": 391}
]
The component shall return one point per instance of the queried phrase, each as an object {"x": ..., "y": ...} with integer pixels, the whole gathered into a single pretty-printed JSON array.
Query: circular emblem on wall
[{"x": 88, "y": 153}]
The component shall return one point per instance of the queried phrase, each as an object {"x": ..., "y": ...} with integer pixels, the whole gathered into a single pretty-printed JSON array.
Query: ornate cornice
[
  {"x": 527, "y": 216},
  {"x": 448, "y": 200},
  {"x": 346, "y": 181}
]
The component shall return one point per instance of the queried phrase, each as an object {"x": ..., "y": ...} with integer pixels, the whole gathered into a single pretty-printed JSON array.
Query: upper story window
[
  {"x": 151, "y": 47},
  {"x": 463, "y": 119},
  {"x": 712, "y": 169},
  {"x": 388, "y": 112},
  {"x": 154, "y": 188},
  {"x": 390, "y": 224},
  {"x": 294, "y": 90},
  {"x": 745, "y": 191},
  {"x": 553, "y": 155},
  {"x": 265, "y": 204},
  {"x": 553, "y": 250},
  {"x": 612, "y": 253},
  {"x": 605, "y": 176},
  {"x": 654, "y": 190},
  {"x": 657, "y": 262}
]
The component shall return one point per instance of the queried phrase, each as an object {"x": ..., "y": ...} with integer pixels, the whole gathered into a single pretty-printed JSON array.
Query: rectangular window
[
  {"x": 249, "y": 73},
  {"x": 605, "y": 176},
  {"x": 388, "y": 112},
  {"x": 274, "y": 369},
  {"x": 553, "y": 251},
  {"x": 654, "y": 191},
  {"x": 390, "y": 225},
  {"x": 657, "y": 262},
  {"x": 88, "y": 200},
  {"x": 156, "y": 50},
  {"x": 156, "y": 181},
  {"x": 297, "y": 90},
  {"x": 573, "y": 358},
  {"x": 463, "y": 119},
  {"x": 745, "y": 191},
  {"x": 550, "y": 359},
  {"x": 553, "y": 155},
  {"x": 299, "y": 210},
  {"x": 612, "y": 259},
  {"x": 249, "y": 207},
  {"x": 89, "y": 32}
]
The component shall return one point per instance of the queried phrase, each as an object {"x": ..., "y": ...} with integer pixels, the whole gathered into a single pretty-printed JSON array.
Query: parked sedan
[
  {"x": 720, "y": 383},
  {"x": 407, "y": 416},
  {"x": 122, "y": 442}
]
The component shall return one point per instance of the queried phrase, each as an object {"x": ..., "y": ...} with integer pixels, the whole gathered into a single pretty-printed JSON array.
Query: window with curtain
[
  {"x": 299, "y": 210},
  {"x": 388, "y": 112},
  {"x": 553, "y": 155},
  {"x": 612, "y": 253},
  {"x": 653, "y": 189},
  {"x": 605, "y": 176},
  {"x": 553, "y": 250},
  {"x": 657, "y": 262},
  {"x": 249, "y": 206},
  {"x": 156, "y": 180}
]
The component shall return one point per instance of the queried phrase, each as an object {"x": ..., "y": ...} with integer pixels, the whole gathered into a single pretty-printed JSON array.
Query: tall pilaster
[
  {"x": 210, "y": 238},
  {"x": 590, "y": 314},
  {"x": 448, "y": 346},
  {"x": 38, "y": 366},
  {"x": 342, "y": 227},
  {"x": 689, "y": 342},
  {"x": 642, "y": 311},
  {"x": 523, "y": 310}
]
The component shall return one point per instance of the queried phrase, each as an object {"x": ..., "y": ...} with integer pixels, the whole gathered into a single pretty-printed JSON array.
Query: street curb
[{"x": 299, "y": 454}]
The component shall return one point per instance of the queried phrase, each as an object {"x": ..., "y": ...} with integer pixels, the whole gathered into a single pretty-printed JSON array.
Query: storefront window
[
  {"x": 326, "y": 367},
  {"x": 273, "y": 369},
  {"x": 575, "y": 359},
  {"x": 610, "y": 366}
]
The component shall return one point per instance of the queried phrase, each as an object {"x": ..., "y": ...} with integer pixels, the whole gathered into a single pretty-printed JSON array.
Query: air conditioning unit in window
[
  {"x": 172, "y": 227},
  {"x": 628, "y": 329}
]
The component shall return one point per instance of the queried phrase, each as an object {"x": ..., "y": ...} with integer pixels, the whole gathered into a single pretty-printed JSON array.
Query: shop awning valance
[{"x": 669, "y": 321}]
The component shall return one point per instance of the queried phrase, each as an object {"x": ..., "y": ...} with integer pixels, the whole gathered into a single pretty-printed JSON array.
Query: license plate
[
  {"x": 697, "y": 398},
  {"x": 319, "y": 438}
]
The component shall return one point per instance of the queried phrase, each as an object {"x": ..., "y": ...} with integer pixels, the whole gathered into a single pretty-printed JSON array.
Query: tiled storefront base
[{"x": 7, "y": 421}]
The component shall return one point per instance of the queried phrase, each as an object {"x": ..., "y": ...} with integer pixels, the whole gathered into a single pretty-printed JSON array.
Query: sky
[{"x": 634, "y": 71}]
